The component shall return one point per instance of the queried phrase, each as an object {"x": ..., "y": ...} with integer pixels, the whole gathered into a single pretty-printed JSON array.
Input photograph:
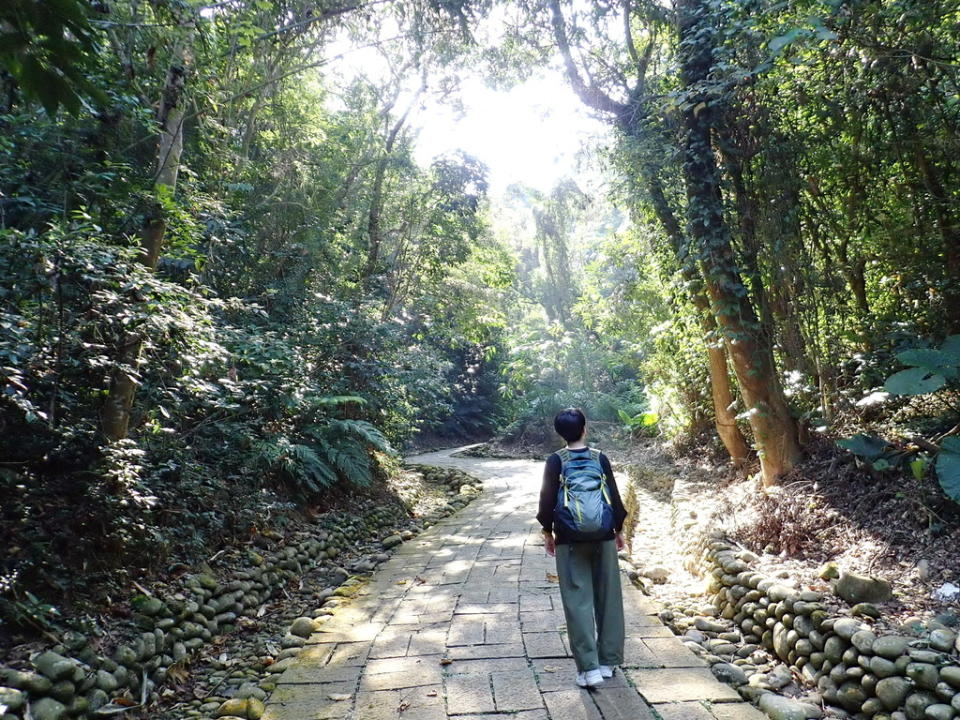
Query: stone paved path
[{"x": 464, "y": 622}]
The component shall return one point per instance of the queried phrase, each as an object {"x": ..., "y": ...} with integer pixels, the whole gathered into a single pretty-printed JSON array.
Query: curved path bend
[{"x": 465, "y": 622}]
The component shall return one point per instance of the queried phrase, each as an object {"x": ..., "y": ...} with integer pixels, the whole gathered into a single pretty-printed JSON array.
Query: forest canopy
[{"x": 230, "y": 284}]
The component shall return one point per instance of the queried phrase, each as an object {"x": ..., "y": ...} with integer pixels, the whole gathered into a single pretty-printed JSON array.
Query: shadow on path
[{"x": 464, "y": 622}]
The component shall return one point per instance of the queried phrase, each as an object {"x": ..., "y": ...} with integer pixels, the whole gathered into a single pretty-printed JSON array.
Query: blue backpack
[{"x": 583, "y": 511}]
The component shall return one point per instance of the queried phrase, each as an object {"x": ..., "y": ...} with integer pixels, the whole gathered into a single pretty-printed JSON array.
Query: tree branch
[{"x": 591, "y": 95}]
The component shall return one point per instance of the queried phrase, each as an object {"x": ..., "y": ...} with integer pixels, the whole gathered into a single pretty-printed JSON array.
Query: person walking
[{"x": 582, "y": 517}]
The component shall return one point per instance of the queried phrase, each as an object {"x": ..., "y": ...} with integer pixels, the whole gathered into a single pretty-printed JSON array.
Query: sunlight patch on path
[{"x": 464, "y": 622}]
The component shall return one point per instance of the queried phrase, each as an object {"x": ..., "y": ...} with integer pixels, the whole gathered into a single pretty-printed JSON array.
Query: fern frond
[
  {"x": 362, "y": 430},
  {"x": 350, "y": 458},
  {"x": 298, "y": 464}
]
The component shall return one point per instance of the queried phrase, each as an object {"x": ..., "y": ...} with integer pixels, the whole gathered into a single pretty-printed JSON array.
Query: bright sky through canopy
[{"x": 532, "y": 133}]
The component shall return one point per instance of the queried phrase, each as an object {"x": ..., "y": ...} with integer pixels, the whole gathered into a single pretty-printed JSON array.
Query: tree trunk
[
  {"x": 125, "y": 379},
  {"x": 774, "y": 430},
  {"x": 375, "y": 235},
  {"x": 949, "y": 233},
  {"x": 720, "y": 389}
]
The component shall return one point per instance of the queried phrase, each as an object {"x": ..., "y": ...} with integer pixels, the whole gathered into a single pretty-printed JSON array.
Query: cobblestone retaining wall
[{"x": 885, "y": 677}]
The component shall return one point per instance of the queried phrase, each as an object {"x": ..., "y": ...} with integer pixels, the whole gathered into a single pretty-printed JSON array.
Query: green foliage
[
  {"x": 49, "y": 48},
  {"x": 644, "y": 423},
  {"x": 275, "y": 368},
  {"x": 336, "y": 450}
]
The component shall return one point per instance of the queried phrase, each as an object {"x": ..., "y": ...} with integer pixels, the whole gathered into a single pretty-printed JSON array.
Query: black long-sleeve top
[{"x": 551, "y": 486}]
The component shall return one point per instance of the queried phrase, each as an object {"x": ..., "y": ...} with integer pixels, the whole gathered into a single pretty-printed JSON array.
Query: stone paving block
[
  {"x": 680, "y": 684},
  {"x": 319, "y": 654},
  {"x": 328, "y": 710},
  {"x": 466, "y": 630},
  {"x": 453, "y": 578},
  {"x": 317, "y": 694},
  {"x": 671, "y": 652},
  {"x": 540, "y": 620},
  {"x": 469, "y": 652},
  {"x": 650, "y": 631},
  {"x": 468, "y": 608},
  {"x": 485, "y": 666},
  {"x": 425, "y": 619},
  {"x": 544, "y": 644},
  {"x": 684, "y": 711},
  {"x": 636, "y": 603},
  {"x": 330, "y": 633},
  {"x": 471, "y": 594},
  {"x": 403, "y": 664},
  {"x": 468, "y": 694},
  {"x": 539, "y": 603},
  {"x": 392, "y": 642},
  {"x": 555, "y": 674},
  {"x": 345, "y": 653},
  {"x": 637, "y": 654},
  {"x": 305, "y": 673},
  {"x": 515, "y": 690},
  {"x": 429, "y": 641},
  {"x": 736, "y": 711},
  {"x": 422, "y": 703},
  {"x": 522, "y": 715},
  {"x": 571, "y": 705},
  {"x": 507, "y": 573},
  {"x": 621, "y": 702},
  {"x": 482, "y": 575},
  {"x": 401, "y": 679},
  {"x": 500, "y": 630},
  {"x": 503, "y": 594}
]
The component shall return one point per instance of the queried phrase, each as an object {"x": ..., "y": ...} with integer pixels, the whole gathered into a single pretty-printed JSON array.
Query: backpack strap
[
  {"x": 564, "y": 455},
  {"x": 595, "y": 454}
]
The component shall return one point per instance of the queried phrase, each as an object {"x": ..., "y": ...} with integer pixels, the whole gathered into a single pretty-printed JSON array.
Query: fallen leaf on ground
[
  {"x": 339, "y": 696},
  {"x": 446, "y": 661},
  {"x": 403, "y": 706},
  {"x": 432, "y": 693},
  {"x": 553, "y": 577},
  {"x": 401, "y": 582},
  {"x": 178, "y": 673}
]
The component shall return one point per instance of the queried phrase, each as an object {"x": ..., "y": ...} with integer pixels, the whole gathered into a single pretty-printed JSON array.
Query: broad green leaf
[
  {"x": 778, "y": 43},
  {"x": 865, "y": 446},
  {"x": 930, "y": 359},
  {"x": 914, "y": 381},
  {"x": 952, "y": 345},
  {"x": 948, "y": 467}
]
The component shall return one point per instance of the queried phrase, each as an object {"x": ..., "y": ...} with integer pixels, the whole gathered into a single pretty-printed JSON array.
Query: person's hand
[
  {"x": 550, "y": 544},
  {"x": 621, "y": 543}
]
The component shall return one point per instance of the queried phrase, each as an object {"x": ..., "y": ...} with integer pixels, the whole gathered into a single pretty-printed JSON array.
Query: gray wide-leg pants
[{"x": 592, "y": 602}]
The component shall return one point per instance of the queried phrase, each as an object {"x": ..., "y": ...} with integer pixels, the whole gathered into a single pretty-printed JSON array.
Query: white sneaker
[
  {"x": 606, "y": 671},
  {"x": 589, "y": 679}
]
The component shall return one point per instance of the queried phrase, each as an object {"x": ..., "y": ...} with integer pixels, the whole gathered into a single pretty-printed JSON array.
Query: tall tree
[
  {"x": 171, "y": 116},
  {"x": 774, "y": 429}
]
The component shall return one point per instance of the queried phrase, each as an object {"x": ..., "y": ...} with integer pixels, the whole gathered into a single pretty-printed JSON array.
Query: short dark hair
[{"x": 570, "y": 423}]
